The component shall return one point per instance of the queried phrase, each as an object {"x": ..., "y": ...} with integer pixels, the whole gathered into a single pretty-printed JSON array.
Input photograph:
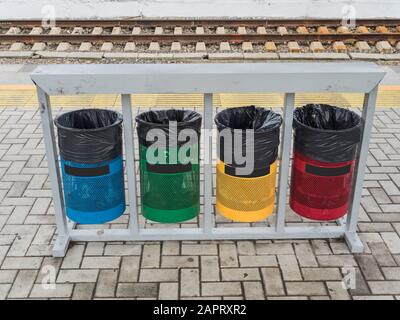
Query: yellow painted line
[
  {"x": 25, "y": 96},
  {"x": 389, "y": 88},
  {"x": 17, "y": 86}
]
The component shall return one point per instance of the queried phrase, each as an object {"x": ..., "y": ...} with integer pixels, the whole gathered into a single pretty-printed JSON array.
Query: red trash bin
[{"x": 325, "y": 144}]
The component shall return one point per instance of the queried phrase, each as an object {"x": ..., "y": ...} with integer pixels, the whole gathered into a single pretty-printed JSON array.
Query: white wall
[{"x": 34, "y": 9}]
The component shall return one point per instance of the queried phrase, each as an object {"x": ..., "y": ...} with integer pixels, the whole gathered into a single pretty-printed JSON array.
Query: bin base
[
  {"x": 171, "y": 216},
  {"x": 244, "y": 216},
  {"x": 318, "y": 214},
  {"x": 95, "y": 217}
]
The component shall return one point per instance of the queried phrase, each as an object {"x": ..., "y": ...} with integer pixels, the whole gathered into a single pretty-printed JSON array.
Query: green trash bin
[{"x": 169, "y": 164}]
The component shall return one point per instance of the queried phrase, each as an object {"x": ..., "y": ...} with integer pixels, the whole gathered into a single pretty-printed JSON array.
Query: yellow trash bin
[{"x": 247, "y": 196}]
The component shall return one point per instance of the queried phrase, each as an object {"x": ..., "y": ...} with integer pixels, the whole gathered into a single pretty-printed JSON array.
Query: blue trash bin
[{"x": 90, "y": 143}]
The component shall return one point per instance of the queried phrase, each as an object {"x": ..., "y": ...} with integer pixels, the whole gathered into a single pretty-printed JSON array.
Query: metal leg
[
  {"x": 63, "y": 236},
  {"x": 208, "y": 179},
  {"x": 284, "y": 159},
  {"x": 351, "y": 224},
  {"x": 130, "y": 162}
]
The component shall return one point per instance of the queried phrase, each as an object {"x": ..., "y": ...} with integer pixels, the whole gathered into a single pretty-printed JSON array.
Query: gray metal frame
[{"x": 288, "y": 78}]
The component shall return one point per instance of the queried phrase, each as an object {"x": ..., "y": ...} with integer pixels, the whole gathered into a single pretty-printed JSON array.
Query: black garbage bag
[
  {"x": 160, "y": 119},
  {"x": 326, "y": 133},
  {"x": 89, "y": 135},
  {"x": 266, "y": 125}
]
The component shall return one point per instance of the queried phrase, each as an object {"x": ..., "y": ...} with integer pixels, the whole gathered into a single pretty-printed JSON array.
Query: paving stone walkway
[{"x": 208, "y": 269}]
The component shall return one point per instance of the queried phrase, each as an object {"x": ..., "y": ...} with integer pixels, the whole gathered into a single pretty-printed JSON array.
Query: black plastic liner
[
  {"x": 89, "y": 135},
  {"x": 185, "y": 119},
  {"x": 326, "y": 133},
  {"x": 266, "y": 125}
]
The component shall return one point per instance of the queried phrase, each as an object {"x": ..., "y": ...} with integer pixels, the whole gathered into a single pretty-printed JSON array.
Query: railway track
[{"x": 202, "y": 36}]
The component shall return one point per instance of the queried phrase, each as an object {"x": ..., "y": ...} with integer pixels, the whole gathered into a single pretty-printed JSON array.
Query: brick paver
[{"x": 170, "y": 270}]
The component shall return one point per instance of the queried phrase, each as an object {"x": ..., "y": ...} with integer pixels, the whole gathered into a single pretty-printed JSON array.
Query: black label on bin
[
  {"x": 258, "y": 172},
  {"x": 169, "y": 168},
  {"x": 328, "y": 172},
  {"x": 87, "y": 172}
]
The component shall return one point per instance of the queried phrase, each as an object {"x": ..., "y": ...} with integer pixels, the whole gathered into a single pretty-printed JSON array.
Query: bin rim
[
  {"x": 117, "y": 122},
  {"x": 256, "y": 131},
  {"x": 195, "y": 119},
  {"x": 297, "y": 122}
]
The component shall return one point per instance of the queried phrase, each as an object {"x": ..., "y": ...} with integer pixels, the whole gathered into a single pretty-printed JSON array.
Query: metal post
[
  {"x": 208, "y": 179},
  {"x": 352, "y": 217},
  {"x": 284, "y": 160},
  {"x": 130, "y": 162},
  {"x": 63, "y": 237}
]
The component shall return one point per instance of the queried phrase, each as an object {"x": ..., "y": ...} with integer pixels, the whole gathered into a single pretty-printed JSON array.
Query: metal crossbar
[{"x": 288, "y": 78}]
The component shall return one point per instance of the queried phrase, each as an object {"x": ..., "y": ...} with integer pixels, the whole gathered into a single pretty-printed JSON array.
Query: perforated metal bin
[
  {"x": 324, "y": 158},
  {"x": 170, "y": 189},
  {"x": 90, "y": 143},
  {"x": 247, "y": 197}
]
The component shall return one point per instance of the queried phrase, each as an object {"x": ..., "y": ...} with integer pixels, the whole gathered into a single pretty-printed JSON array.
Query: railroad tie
[
  {"x": 382, "y": 29},
  {"x": 85, "y": 46},
  {"x": 383, "y": 47},
  {"x": 316, "y": 47},
  {"x": 129, "y": 47},
  {"x": 107, "y": 46},
  {"x": 293, "y": 47},
  {"x": 224, "y": 47},
  {"x": 175, "y": 47},
  {"x": 38, "y": 46},
  {"x": 17, "y": 46},
  {"x": 270, "y": 46},
  {"x": 343, "y": 29},
  {"x": 154, "y": 47},
  {"x": 199, "y": 30},
  {"x": 97, "y": 31},
  {"x": 339, "y": 47},
  {"x": 201, "y": 47},
  {"x": 363, "y": 46},
  {"x": 64, "y": 46},
  {"x": 158, "y": 30},
  {"x": 14, "y": 30},
  {"x": 241, "y": 30},
  {"x": 261, "y": 30},
  {"x": 220, "y": 30},
  {"x": 302, "y": 30},
  {"x": 282, "y": 31},
  {"x": 36, "y": 31},
  {"x": 362, "y": 29},
  {"x": 55, "y": 31},
  {"x": 116, "y": 30},
  {"x": 77, "y": 30},
  {"x": 247, "y": 46},
  {"x": 323, "y": 30},
  {"x": 136, "y": 30},
  {"x": 178, "y": 30}
]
